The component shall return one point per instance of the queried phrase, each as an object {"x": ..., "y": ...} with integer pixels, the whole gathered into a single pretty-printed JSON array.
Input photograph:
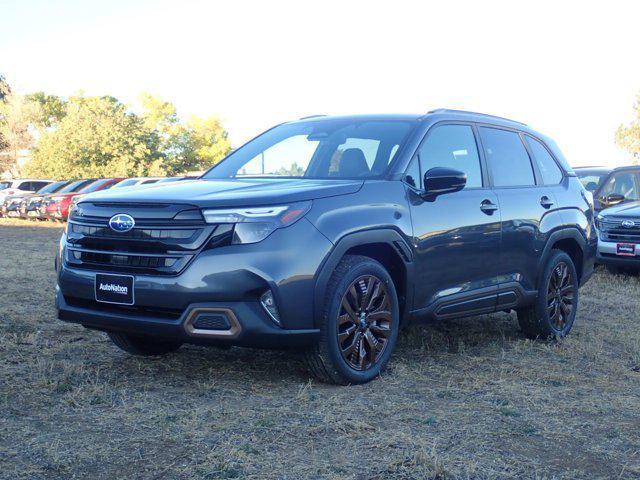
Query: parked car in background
[
  {"x": 51, "y": 202},
  {"x": 611, "y": 186},
  {"x": 58, "y": 209},
  {"x": 132, "y": 182},
  {"x": 15, "y": 206},
  {"x": 30, "y": 204},
  {"x": 20, "y": 187},
  {"x": 619, "y": 237},
  {"x": 102, "y": 184},
  {"x": 381, "y": 220}
]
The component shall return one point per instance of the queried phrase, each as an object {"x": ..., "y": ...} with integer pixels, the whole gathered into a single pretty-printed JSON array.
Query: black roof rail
[
  {"x": 313, "y": 116},
  {"x": 448, "y": 110}
]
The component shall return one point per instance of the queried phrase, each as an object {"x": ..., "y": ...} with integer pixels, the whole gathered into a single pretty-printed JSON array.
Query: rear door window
[{"x": 507, "y": 158}]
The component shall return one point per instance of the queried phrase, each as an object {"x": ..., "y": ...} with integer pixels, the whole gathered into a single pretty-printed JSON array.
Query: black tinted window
[
  {"x": 452, "y": 146},
  {"x": 551, "y": 173},
  {"x": 25, "y": 186},
  {"x": 507, "y": 158}
]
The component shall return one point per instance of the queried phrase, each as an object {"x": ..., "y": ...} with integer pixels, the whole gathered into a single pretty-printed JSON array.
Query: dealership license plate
[
  {"x": 114, "y": 289},
  {"x": 626, "y": 249}
]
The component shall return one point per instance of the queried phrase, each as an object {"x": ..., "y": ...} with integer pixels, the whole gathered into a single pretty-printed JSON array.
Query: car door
[
  {"x": 525, "y": 203},
  {"x": 456, "y": 235}
]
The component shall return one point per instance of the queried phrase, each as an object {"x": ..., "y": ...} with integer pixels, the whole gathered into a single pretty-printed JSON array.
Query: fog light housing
[{"x": 269, "y": 304}]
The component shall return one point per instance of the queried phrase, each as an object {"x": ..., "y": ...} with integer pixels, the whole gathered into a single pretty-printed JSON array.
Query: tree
[
  {"x": 4, "y": 88},
  {"x": 52, "y": 106},
  {"x": 196, "y": 145},
  {"x": 96, "y": 137},
  {"x": 628, "y": 136},
  {"x": 19, "y": 118}
]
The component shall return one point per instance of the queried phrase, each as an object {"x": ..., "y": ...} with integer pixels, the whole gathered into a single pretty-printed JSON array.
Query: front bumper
[
  {"x": 255, "y": 328},
  {"x": 607, "y": 255},
  {"x": 227, "y": 278}
]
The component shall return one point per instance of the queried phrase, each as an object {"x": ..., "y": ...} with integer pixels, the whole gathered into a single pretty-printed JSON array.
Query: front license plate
[
  {"x": 114, "y": 289},
  {"x": 626, "y": 249}
]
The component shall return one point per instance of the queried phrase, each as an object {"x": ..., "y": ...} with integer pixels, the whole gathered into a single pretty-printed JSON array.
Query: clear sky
[{"x": 569, "y": 69}]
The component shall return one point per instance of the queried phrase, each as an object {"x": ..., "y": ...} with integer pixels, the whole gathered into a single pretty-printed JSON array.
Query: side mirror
[
  {"x": 614, "y": 199},
  {"x": 441, "y": 180}
]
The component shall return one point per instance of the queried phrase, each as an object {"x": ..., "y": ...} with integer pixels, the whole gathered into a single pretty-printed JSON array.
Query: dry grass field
[{"x": 466, "y": 399}]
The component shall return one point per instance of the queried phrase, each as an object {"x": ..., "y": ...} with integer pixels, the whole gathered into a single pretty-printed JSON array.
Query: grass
[{"x": 468, "y": 399}]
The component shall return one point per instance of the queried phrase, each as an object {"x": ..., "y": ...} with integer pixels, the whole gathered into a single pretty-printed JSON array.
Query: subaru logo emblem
[
  {"x": 628, "y": 223},
  {"x": 121, "y": 223}
]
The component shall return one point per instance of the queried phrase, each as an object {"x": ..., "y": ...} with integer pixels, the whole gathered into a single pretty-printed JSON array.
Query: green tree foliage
[
  {"x": 99, "y": 136},
  {"x": 19, "y": 119},
  {"x": 96, "y": 137},
  {"x": 196, "y": 145},
  {"x": 628, "y": 136},
  {"x": 52, "y": 106}
]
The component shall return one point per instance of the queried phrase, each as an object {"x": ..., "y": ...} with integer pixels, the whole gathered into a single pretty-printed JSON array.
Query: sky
[{"x": 568, "y": 69}]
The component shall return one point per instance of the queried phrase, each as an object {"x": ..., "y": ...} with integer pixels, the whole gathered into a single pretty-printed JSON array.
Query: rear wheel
[
  {"x": 554, "y": 312},
  {"x": 359, "y": 324},
  {"x": 143, "y": 345}
]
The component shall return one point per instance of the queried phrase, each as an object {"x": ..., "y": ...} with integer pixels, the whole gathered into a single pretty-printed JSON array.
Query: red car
[{"x": 58, "y": 205}]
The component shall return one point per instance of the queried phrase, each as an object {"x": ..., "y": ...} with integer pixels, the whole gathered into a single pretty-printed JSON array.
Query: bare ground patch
[{"x": 462, "y": 399}]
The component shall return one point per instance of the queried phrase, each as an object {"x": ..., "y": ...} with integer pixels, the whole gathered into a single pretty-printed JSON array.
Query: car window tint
[
  {"x": 623, "y": 183},
  {"x": 551, "y": 173},
  {"x": 289, "y": 158},
  {"x": 507, "y": 158},
  {"x": 25, "y": 186},
  {"x": 452, "y": 146}
]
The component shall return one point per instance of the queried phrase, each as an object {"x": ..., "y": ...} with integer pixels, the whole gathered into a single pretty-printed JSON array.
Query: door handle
[
  {"x": 488, "y": 207},
  {"x": 546, "y": 202}
]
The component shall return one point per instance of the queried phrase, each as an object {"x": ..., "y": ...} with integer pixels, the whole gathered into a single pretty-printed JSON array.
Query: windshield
[
  {"x": 75, "y": 186},
  {"x": 52, "y": 187},
  {"x": 591, "y": 179},
  {"x": 4, "y": 185},
  {"x": 330, "y": 148}
]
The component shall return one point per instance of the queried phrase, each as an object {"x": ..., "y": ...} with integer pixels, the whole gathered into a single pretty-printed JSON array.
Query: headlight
[{"x": 254, "y": 224}]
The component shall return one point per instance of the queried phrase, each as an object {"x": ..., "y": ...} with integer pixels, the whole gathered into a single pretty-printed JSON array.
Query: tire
[
  {"x": 555, "y": 309},
  {"x": 360, "y": 282},
  {"x": 143, "y": 345}
]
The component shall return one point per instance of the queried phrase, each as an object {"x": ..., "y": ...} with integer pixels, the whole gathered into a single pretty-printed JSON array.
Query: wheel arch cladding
[
  {"x": 570, "y": 241},
  {"x": 385, "y": 246}
]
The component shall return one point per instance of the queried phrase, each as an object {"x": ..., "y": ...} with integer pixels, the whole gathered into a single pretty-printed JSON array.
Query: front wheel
[
  {"x": 143, "y": 345},
  {"x": 360, "y": 323},
  {"x": 555, "y": 309}
]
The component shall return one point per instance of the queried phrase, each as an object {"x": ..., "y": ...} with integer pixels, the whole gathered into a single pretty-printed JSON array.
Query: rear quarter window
[{"x": 551, "y": 173}]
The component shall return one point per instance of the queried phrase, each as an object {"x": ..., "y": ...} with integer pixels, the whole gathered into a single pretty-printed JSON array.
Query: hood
[
  {"x": 231, "y": 192},
  {"x": 629, "y": 209}
]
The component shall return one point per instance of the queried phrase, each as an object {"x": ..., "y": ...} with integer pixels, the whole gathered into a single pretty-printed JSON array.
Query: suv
[
  {"x": 611, "y": 186},
  {"x": 619, "y": 237},
  {"x": 328, "y": 234}
]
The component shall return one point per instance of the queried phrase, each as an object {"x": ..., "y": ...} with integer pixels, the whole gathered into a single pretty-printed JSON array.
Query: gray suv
[{"x": 328, "y": 234}]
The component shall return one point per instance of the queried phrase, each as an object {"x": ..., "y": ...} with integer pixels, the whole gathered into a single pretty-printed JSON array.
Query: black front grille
[
  {"x": 137, "y": 233},
  {"x": 104, "y": 260},
  {"x": 614, "y": 229},
  {"x": 164, "y": 240}
]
